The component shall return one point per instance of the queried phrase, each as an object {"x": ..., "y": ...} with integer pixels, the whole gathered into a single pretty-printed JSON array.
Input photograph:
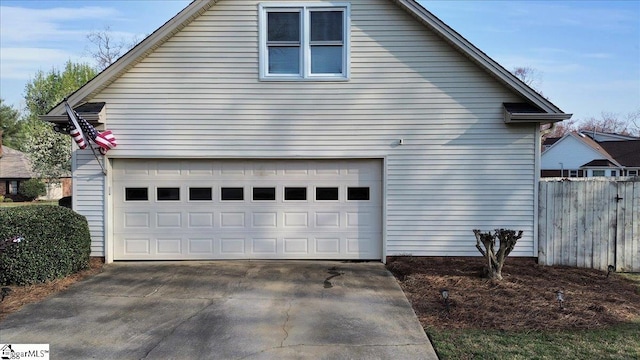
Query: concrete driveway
[{"x": 227, "y": 310}]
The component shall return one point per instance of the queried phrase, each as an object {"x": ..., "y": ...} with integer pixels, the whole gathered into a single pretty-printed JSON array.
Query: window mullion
[{"x": 306, "y": 40}]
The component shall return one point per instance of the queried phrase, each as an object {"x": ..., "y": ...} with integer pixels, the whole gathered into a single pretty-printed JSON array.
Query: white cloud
[
  {"x": 20, "y": 24},
  {"x": 598, "y": 55}
]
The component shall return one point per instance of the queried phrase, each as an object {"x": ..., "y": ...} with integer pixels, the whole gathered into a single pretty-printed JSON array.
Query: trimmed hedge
[{"x": 56, "y": 242}]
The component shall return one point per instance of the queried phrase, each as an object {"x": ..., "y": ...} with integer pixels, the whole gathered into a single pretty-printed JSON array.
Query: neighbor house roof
[
  {"x": 606, "y": 136},
  {"x": 14, "y": 164},
  {"x": 600, "y": 163},
  {"x": 550, "y": 141},
  {"x": 544, "y": 109},
  {"x": 627, "y": 153}
]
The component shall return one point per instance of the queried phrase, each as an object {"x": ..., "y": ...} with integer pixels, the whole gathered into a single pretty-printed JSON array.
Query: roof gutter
[{"x": 516, "y": 118}]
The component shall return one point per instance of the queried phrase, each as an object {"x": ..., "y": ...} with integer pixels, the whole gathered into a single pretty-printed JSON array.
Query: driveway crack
[{"x": 284, "y": 325}]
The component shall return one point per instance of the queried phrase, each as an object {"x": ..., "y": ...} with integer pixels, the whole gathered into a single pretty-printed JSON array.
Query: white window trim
[{"x": 305, "y": 65}]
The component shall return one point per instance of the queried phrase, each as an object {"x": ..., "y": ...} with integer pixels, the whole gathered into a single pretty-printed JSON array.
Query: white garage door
[{"x": 260, "y": 209}]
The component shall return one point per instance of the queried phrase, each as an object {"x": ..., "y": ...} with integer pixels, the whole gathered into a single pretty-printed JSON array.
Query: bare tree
[
  {"x": 529, "y": 76},
  {"x": 633, "y": 119},
  {"x": 562, "y": 128},
  {"x": 106, "y": 49},
  {"x": 486, "y": 243},
  {"x": 608, "y": 123}
]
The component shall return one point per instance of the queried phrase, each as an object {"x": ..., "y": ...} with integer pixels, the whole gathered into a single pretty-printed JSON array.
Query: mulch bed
[
  {"x": 23, "y": 295},
  {"x": 524, "y": 300}
]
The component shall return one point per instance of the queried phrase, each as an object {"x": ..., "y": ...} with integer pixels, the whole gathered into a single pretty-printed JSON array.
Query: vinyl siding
[
  {"x": 88, "y": 196},
  {"x": 460, "y": 167}
]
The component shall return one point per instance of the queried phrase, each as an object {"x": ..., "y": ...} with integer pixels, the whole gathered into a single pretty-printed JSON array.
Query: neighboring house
[
  {"x": 15, "y": 168},
  {"x": 308, "y": 130},
  {"x": 579, "y": 155}
]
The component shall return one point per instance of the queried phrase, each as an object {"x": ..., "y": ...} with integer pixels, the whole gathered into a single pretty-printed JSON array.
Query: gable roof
[
  {"x": 627, "y": 153},
  {"x": 14, "y": 164},
  {"x": 197, "y": 7}
]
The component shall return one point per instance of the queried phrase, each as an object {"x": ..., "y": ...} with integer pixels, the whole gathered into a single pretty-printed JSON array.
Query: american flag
[{"x": 105, "y": 140}]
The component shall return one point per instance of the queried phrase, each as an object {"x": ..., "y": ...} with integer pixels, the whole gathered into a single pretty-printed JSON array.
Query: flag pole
[{"x": 72, "y": 116}]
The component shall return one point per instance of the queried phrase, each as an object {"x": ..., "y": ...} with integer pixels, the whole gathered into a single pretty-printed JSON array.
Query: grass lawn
[
  {"x": 27, "y": 203},
  {"x": 617, "y": 342}
]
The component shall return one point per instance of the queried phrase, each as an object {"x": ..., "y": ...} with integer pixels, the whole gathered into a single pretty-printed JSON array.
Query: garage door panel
[
  {"x": 196, "y": 222},
  {"x": 327, "y": 219},
  {"x": 233, "y": 246},
  {"x": 327, "y": 246},
  {"x": 264, "y": 245},
  {"x": 199, "y": 220},
  {"x": 137, "y": 246},
  {"x": 165, "y": 219},
  {"x": 136, "y": 220},
  {"x": 201, "y": 246},
  {"x": 233, "y": 220},
  {"x": 170, "y": 245},
  {"x": 264, "y": 219},
  {"x": 296, "y": 246},
  {"x": 296, "y": 219}
]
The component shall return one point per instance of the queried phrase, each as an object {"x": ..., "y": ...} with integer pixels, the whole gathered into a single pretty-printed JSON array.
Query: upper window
[{"x": 307, "y": 42}]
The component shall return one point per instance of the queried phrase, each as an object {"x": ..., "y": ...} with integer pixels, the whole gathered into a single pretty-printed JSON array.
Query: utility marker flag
[{"x": 79, "y": 127}]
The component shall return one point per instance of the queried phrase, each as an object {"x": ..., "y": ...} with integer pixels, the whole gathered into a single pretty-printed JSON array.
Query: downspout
[{"x": 544, "y": 132}]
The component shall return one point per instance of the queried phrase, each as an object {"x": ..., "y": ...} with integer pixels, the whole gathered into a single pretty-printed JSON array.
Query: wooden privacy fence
[{"x": 590, "y": 222}]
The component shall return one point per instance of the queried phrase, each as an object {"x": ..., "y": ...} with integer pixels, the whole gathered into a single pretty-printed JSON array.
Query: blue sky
[{"x": 586, "y": 53}]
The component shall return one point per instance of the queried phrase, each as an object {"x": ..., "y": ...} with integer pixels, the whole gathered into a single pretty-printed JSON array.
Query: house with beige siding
[{"x": 307, "y": 130}]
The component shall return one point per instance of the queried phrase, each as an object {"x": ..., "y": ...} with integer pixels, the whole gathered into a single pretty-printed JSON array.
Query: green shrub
[
  {"x": 56, "y": 242},
  {"x": 8, "y": 200},
  {"x": 1, "y": 198},
  {"x": 32, "y": 188}
]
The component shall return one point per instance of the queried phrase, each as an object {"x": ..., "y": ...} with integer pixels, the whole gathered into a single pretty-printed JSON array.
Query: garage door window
[
  {"x": 200, "y": 194},
  {"x": 232, "y": 194},
  {"x": 295, "y": 193},
  {"x": 168, "y": 194},
  {"x": 136, "y": 194},
  {"x": 358, "y": 193},
  {"x": 326, "y": 193},
  {"x": 264, "y": 194}
]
